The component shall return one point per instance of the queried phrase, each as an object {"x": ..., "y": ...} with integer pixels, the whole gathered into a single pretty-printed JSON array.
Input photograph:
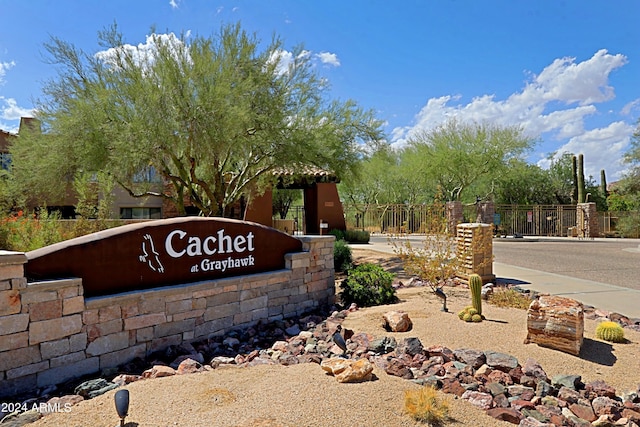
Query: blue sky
[{"x": 568, "y": 72}]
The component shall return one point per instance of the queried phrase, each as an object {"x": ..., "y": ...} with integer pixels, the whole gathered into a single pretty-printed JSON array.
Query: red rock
[
  {"x": 158, "y": 371},
  {"x": 397, "y": 321},
  {"x": 452, "y": 386},
  {"x": 189, "y": 366},
  {"x": 583, "y": 411},
  {"x": 478, "y": 399},
  {"x": 500, "y": 377},
  {"x": 509, "y": 415}
]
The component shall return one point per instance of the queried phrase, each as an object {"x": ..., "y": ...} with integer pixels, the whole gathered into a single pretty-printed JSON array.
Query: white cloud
[
  {"x": 631, "y": 106},
  {"x": 575, "y": 87},
  {"x": 328, "y": 58},
  {"x": 285, "y": 59},
  {"x": 602, "y": 148},
  {"x": 4, "y": 66},
  {"x": 142, "y": 54},
  {"x": 174, "y": 3},
  {"x": 9, "y": 109}
]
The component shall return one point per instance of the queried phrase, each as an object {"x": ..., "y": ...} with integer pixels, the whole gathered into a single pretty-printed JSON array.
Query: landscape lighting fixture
[{"x": 122, "y": 404}]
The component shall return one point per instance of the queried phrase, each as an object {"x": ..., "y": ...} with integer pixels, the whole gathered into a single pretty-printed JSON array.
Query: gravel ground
[{"x": 303, "y": 395}]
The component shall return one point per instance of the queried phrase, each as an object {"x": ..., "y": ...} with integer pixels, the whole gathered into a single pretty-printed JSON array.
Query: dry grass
[
  {"x": 426, "y": 405},
  {"x": 509, "y": 298}
]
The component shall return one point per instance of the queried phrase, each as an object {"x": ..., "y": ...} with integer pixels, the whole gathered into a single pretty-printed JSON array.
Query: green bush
[
  {"x": 342, "y": 258},
  {"x": 357, "y": 236},
  {"x": 367, "y": 285},
  {"x": 338, "y": 233}
]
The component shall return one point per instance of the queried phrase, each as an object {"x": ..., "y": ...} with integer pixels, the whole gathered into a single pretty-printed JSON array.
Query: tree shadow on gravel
[{"x": 597, "y": 352}]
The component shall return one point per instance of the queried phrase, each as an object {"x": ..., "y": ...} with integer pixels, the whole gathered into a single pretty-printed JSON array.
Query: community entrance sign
[{"x": 163, "y": 252}]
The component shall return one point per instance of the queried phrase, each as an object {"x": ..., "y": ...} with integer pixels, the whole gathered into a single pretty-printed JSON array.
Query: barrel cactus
[
  {"x": 475, "y": 285},
  {"x": 610, "y": 331}
]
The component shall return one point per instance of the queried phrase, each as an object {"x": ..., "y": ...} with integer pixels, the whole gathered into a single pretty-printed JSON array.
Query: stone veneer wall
[{"x": 49, "y": 333}]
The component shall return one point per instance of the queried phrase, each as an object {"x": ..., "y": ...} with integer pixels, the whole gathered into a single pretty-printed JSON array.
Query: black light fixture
[
  {"x": 440, "y": 294},
  {"x": 122, "y": 404},
  {"x": 339, "y": 340}
]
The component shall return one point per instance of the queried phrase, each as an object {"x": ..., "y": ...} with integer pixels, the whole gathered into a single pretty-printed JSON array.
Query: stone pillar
[
  {"x": 475, "y": 251},
  {"x": 587, "y": 220},
  {"x": 485, "y": 212},
  {"x": 454, "y": 216}
]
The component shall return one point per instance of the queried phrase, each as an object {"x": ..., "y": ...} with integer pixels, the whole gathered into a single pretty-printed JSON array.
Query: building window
[
  {"x": 148, "y": 174},
  {"x": 5, "y": 161},
  {"x": 140, "y": 213}
]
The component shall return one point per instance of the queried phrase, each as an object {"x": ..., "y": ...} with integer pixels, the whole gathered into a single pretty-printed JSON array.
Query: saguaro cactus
[
  {"x": 475, "y": 286},
  {"x": 582, "y": 195}
]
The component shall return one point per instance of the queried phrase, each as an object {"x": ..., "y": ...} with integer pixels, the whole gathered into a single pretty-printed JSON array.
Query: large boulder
[{"x": 556, "y": 322}]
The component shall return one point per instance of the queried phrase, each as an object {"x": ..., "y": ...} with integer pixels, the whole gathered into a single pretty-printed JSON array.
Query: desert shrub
[
  {"x": 338, "y": 233},
  {"x": 23, "y": 232},
  {"x": 629, "y": 226},
  {"x": 357, "y": 236},
  {"x": 367, "y": 285},
  {"x": 342, "y": 258},
  {"x": 425, "y": 405},
  {"x": 510, "y": 297}
]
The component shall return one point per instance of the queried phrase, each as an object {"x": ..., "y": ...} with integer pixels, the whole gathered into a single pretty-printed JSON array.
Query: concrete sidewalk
[{"x": 600, "y": 295}]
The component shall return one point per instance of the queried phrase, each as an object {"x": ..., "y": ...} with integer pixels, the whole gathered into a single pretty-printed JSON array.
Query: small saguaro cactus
[
  {"x": 475, "y": 286},
  {"x": 610, "y": 331}
]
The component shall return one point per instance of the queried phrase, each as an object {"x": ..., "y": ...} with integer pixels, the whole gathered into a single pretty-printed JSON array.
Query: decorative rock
[
  {"x": 124, "y": 379},
  {"x": 500, "y": 377},
  {"x": 603, "y": 421},
  {"x": 410, "y": 346},
  {"x": 347, "y": 370},
  {"x": 600, "y": 388},
  {"x": 361, "y": 370},
  {"x": 569, "y": 395},
  {"x": 556, "y": 322},
  {"x": 452, "y": 386},
  {"x": 605, "y": 406},
  {"x": 19, "y": 419},
  {"x": 583, "y": 411},
  {"x": 500, "y": 401},
  {"x": 532, "y": 422},
  {"x": 92, "y": 388},
  {"x": 158, "y": 371},
  {"x": 571, "y": 381},
  {"x": 501, "y": 361},
  {"x": 543, "y": 388},
  {"x": 189, "y": 366},
  {"x": 397, "y": 368},
  {"x": 292, "y": 331},
  {"x": 478, "y": 399},
  {"x": 573, "y": 419},
  {"x": 509, "y": 415},
  {"x": 475, "y": 358},
  {"x": 383, "y": 345},
  {"x": 397, "y": 321},
  {"x": 495, "y": 388},
  {"x": 533, "y": 369}
]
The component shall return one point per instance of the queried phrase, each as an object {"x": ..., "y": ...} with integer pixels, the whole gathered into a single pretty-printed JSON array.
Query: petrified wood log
[{"x": 556, "y": 322}]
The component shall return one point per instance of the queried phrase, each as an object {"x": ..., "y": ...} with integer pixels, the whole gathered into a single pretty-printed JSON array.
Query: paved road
[
  {"x": 611, "y": 261},
  {"x": 601, "y": 273}
]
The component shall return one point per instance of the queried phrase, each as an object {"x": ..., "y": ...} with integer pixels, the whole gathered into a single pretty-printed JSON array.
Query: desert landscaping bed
[{"x": 304, "y": 395}]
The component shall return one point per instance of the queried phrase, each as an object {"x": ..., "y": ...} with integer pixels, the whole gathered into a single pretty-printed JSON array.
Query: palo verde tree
[
  {"x": 456, "y": 155},
  {"x": 212, "y": 117}
]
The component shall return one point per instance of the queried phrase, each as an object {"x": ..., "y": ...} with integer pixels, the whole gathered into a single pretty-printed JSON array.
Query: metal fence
[
  {"x": 535, "y": 220},
  {"x": 527, "y": 220}
]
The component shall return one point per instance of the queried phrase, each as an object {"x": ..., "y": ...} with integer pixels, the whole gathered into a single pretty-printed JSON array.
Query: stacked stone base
[{"x": 49, "y": 332}]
